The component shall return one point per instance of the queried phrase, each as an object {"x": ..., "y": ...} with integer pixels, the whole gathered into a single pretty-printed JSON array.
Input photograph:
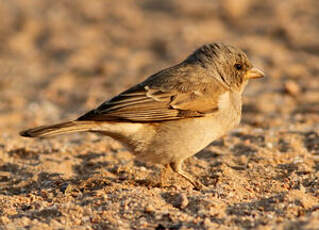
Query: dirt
[{"x": 59, "y": 59}]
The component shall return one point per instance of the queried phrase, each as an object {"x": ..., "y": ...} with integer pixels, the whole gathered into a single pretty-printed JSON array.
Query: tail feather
[{"x": 61, "y": 128}]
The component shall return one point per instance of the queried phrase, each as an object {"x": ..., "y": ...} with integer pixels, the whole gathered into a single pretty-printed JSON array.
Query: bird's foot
[{"x": 177, "y": 167}]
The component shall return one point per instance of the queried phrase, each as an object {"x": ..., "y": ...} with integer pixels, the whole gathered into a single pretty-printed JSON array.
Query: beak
[{"x": 254, "y": 73}]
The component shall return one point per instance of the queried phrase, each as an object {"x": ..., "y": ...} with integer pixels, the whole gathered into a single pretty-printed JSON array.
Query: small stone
[
  {"x": 181, "y": 201},
  {"x": 68, "y": 189},
  {"x": 302, "y": 188},
  {"x": 269, "y": 145},
  {"x": 292, "y": 88},
  {"x": 149, "y": 208},
  {"x": 207, "y": 222},
  {"x": 235, "y": 9},
  {"x": 4, "y": 220}
]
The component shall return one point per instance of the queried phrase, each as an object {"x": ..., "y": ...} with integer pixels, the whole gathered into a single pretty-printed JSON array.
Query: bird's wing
[{"x": 168, "y": 95}]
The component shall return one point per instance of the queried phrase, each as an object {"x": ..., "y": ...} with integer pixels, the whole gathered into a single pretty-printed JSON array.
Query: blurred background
[{"x": 60, "y": 58}]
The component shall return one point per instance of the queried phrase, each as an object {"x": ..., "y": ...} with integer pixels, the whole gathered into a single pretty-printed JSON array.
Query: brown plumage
[{"x": 174, "y": 113}]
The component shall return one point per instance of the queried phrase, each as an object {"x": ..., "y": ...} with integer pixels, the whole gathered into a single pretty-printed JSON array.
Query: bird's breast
[{"x": 229, "y": 107}]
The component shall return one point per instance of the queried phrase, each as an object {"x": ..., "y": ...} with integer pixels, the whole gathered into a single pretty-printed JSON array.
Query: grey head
[{"x": 228, "y": 64}]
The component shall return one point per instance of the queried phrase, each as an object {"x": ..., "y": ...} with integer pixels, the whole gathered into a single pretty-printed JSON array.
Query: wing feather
[{"x": 167, "y": 95}]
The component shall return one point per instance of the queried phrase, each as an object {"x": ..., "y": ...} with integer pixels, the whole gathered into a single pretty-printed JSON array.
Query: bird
[{"x": 174, "y": 113}]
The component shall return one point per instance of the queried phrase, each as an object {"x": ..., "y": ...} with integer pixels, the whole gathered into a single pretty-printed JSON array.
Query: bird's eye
[{"x": 238, "y": 66}]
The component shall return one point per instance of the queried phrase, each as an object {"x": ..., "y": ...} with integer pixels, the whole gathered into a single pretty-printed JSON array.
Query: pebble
[
  {"x": 182, "y": 201},
  {"x": 292, "y": 88}
]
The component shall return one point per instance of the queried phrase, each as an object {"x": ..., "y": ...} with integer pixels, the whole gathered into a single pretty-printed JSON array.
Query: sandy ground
[{"x": 59, "y": 59}]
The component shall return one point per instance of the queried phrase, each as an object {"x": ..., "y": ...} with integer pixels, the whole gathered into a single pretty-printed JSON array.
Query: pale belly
[{"x": 178, "y": 140}]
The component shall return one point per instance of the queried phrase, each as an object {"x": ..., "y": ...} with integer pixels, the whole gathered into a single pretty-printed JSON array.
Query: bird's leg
[
  {"x": 177, "y": 167},
  {"x": 164, "y": 173}
]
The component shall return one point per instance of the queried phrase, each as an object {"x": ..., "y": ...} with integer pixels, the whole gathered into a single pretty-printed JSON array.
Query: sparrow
[{"x": 174, "y": 113}]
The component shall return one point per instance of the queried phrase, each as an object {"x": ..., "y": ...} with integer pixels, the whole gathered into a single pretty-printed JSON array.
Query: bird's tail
[{"x": 61, "y": 128}]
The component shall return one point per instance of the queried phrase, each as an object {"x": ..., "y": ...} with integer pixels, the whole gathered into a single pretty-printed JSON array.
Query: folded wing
[{"x": 168, "y": 95}]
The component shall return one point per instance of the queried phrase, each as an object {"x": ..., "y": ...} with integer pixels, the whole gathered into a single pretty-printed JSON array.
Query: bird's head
[{"x": 228, "y": 64}]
